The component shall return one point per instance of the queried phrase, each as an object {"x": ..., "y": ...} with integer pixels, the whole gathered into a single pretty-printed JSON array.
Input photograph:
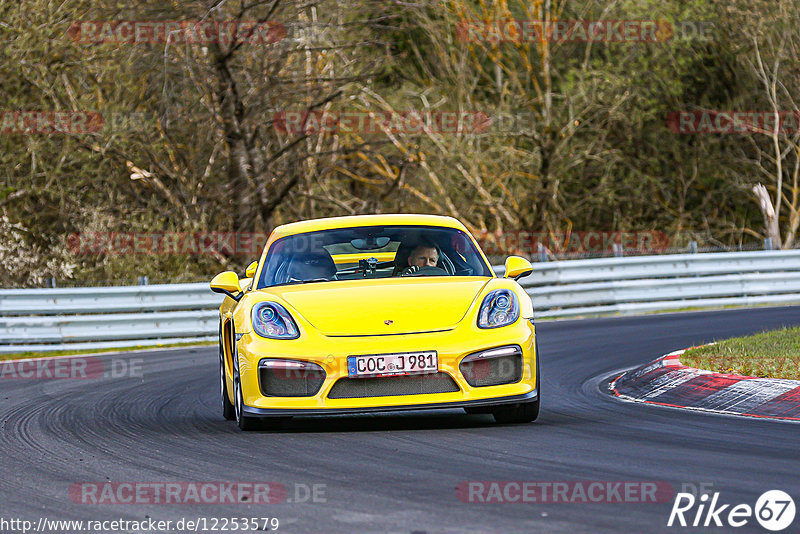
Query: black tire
[
  {"x": 245, "y": 422},
  {"x": 228, "y": 410}
]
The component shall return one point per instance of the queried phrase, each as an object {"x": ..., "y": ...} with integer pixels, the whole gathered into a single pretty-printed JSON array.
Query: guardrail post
[
  {"x": 768, "y": 243},
  {"x": 143, "y": 281},
  {"x": 50, "y": 282},
  {"x": 617, "y": 247},
  {"x": 692, "y": 247}
]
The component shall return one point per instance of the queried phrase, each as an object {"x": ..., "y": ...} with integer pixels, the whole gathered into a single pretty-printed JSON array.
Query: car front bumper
[{"x": 331, "y": 354}]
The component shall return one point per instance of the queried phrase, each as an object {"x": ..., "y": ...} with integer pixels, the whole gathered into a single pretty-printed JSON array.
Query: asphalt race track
[{"x": 399, "y": 473}]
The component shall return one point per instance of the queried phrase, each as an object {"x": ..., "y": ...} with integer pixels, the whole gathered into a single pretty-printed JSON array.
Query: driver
[{"x": 425, "y": 254}]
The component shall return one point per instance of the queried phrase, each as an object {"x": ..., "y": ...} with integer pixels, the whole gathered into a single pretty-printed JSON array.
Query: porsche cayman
[{"x": 375, "y": 313}]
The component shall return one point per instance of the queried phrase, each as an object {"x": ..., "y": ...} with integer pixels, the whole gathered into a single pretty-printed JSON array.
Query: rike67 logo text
[{"x": 774, "y": 510}]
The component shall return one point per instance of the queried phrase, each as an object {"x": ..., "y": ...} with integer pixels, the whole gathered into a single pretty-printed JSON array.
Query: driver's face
[{"x": 423, "y": 257}]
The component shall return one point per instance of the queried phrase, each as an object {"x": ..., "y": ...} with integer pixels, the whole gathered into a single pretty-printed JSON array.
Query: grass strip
[{"x": 769, "y": 354}]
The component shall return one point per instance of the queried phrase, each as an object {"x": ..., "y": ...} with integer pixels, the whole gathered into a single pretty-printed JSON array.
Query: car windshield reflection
[{"x": 372, "y": 252}]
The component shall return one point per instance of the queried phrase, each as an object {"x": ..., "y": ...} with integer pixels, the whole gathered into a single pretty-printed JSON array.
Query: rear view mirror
[
  {"x": 370, "y": 243},
  {"x": 250, "y": 272}
]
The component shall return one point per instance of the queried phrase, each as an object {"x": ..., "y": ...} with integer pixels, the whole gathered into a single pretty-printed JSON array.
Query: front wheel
[
  {"x": 228, "y": 411},
  {"x": 244, "y": 422},
  {"x": 524, "y": 412}
]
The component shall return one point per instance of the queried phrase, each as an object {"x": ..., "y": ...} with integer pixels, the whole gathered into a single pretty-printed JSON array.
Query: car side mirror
[
  {"x": 227, "y": 283},
  {"x": 250, "y": 272},
  {"x": 517, "y": 267}
]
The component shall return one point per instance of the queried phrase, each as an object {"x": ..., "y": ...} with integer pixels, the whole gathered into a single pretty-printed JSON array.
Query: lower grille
[
  {"x": 493, "y": 371},
  {"x": 390, "y": 386},
  {"x": 290, "y": 382}
]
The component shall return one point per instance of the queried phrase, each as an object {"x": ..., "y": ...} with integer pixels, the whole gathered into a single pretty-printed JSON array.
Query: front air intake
[
  {"x": 286, "y": 378},
  {"x": 493, "y": 367}
]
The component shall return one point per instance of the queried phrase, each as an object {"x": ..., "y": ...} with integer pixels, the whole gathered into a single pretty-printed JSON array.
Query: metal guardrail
[
  {"x": 103, "y": 317},
  {"x": 78, "y": 300},
  {"x": 88, "y": 318},
  {"x": 659, "y": 283}
]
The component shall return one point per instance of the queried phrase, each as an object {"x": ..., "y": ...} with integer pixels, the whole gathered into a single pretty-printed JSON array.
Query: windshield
[{"x": 370, "y": 252}]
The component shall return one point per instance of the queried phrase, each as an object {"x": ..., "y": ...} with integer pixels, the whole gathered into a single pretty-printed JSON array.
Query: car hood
[{"x": 384, "y": 306}]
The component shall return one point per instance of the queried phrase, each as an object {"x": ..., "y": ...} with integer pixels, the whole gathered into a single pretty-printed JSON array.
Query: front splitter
[{"x": 268, "y": 412}]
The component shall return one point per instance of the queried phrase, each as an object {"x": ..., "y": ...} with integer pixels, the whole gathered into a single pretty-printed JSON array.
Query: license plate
[{"x": 405, "y": 363}]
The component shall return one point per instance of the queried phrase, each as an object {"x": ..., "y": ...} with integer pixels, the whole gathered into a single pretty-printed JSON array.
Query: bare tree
[{"x": 775, "y": 49}]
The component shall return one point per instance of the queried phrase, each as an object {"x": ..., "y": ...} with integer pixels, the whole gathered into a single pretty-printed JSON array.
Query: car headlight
[
  {"x": 499, "y": 308},
  {"x": 271, "y": 320}
]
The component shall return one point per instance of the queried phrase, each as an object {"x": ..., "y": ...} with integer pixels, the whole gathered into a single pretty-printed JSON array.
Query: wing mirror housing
[
  {"x": 227, "y": 283},
  {"x": 517, "y": 267},
  {"x": 250, "y": 272}
]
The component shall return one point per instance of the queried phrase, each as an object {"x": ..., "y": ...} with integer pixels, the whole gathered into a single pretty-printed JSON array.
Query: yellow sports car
[{"x": 375, "y": 313}]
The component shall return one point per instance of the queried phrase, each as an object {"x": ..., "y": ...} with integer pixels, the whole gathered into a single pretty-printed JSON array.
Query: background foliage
[{"x": 194, "y": 147}]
